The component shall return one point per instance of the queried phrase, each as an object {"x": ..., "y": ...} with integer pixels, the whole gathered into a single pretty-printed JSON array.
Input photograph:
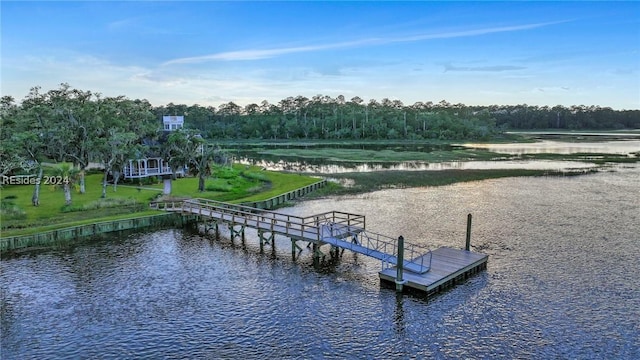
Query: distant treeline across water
[
  {"x": 318, "y": 117},
  {"x": 324, "y": 117}
]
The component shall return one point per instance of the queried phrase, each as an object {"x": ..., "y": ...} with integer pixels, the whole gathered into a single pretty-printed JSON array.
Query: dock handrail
[
  {"x": 321, "y": 227},
  {"x": 241, "y": 214},
  {"x": 414, "y": 254}
]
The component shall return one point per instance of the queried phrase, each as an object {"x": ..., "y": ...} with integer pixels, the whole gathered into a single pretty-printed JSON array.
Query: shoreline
[
  {"x": 71, "y": 234},
  {"x": 135, "y": 221},
  {"x": 365, "y": 183}
]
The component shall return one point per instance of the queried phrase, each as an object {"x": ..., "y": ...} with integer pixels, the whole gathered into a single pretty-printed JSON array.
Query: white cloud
[{"x": 256, "y": 54}]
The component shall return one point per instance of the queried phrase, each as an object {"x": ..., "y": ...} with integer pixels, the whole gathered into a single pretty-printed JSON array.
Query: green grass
[
  {"x": 52, "y": 200},
  {"x": 507, "y": 137},
  {"x": 44, "y": 228},
  {"x": 280, "y": 184},
  {"x": 359, "y": 155},
  {"x": 241, "y": 183}
]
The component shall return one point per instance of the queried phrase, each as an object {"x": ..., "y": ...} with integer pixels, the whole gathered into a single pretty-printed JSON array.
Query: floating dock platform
[{"x": 448, "y": 267}]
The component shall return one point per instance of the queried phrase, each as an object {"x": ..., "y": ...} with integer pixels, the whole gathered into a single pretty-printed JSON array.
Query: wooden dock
[
  {"x": 421, "y": 268},
  {"x": 448, "y": 267}
]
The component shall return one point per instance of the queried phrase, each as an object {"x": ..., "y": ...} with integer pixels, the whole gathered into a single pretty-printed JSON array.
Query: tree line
[
  {"x": 79, "y": 127},
  {"x": 75, "y": 128},
  {"x": 324, "y": 117}
]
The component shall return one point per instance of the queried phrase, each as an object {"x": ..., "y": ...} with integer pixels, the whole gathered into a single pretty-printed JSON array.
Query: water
[
  {"x": 596, "y": 144},
  {"x": 561, "y": 282},
  {"x": 327, "y": 167},
  {"x": 563, "y": 147}
]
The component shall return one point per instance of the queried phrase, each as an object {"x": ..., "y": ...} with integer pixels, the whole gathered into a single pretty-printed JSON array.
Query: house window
[{"x": 166, "y": 127}]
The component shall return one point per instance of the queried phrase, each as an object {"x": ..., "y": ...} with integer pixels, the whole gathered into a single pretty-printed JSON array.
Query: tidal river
[{"x": 562, "y": 283}]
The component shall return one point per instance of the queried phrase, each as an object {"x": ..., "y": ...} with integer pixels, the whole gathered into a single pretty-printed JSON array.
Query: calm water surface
[
  {"x": 563, "y": 147},
  {"x": 561, "y": 283}
]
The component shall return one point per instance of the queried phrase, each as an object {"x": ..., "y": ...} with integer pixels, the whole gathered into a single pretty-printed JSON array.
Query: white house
[
  {"x": 172, "y": 123},
  {"x": 154, "y": 165}
]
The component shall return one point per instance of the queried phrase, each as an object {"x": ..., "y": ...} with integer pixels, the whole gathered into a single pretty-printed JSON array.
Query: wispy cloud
[
  {"x": 494, "y": 68},
  {"x": 141, "y": 25},
  {"x": 256, "y": 54}
]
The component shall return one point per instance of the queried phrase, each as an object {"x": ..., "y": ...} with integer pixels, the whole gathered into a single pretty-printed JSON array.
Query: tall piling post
[
  {"x": 467, "y": 244},
  {"x": 293, "y": 250},
  {"x": 316, "y": 255},
  {"x": 400, "y": 266}
]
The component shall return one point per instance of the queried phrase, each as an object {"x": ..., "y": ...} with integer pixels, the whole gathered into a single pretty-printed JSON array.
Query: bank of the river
[
  {"x": 62, "y": 234},
  {"x": 254, "y": 186},
  {"x": 70, "y": 234},
  {"x": 233, "y": 184}
]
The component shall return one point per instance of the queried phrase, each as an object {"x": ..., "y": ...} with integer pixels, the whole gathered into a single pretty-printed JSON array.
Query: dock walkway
[{"x": 423, "y": 269}]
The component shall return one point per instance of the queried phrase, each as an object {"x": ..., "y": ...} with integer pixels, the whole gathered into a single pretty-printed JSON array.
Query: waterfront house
[{"x": 152, "y": 163}]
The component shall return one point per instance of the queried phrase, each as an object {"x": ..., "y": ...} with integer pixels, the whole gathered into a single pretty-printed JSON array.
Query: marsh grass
[
  {"x": 385, "y": 155},
  {"x": 371, "y": 181},
  {"x": 595, "y": 158}
]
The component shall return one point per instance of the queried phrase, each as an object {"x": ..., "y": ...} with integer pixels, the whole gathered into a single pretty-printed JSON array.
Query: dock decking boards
[{"x": 447, "y": 266}]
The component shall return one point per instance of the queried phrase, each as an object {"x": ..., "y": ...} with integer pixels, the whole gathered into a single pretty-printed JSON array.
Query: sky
[{"x": 214, "y": 52}]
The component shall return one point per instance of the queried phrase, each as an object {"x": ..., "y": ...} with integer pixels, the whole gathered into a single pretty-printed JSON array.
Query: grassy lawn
[{"x": 241, "y": 183}]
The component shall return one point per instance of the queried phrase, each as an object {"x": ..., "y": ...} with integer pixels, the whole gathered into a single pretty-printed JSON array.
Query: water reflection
[
  {"x": 252, "y": 156},
  {"x": 562, "y": 147},
  {"x": 345, "y": 167},
  {"x": 399, "y": 321}
]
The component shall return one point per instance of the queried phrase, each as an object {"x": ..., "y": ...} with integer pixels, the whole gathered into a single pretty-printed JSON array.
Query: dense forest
[
  {"x": 324, "y": 117},
  {"x": 77, "y": 126}
]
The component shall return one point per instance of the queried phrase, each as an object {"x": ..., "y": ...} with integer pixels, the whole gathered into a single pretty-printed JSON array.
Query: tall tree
[
  {"x": 189, "y": 148},
  {"x": 10, "y": 160}
]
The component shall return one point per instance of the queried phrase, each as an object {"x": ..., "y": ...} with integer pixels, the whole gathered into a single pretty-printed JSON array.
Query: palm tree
[{"x": 67, "y": 175}]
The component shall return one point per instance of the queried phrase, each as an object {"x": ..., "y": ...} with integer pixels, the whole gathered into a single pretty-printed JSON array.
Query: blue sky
[{"x": 208, "y": 53}]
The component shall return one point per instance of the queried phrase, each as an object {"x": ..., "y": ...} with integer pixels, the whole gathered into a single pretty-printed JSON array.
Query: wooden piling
[
  {"x": 293, "y": 250},
  {"x": 316, "y": 254},
  {"x": 467, "y": 244},
  {"x": 400, "y": 267}
]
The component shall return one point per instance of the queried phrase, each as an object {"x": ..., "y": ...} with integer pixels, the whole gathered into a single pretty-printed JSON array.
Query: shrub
[
  {"x": 224, "y": 172},
  {"x": 255, "y": 175},
  {"x": 218, "y": 185},
  {"x": 100, "y": 204},
  {"x": 11, "y": 211},
  {"x": 255, "y": 189}
]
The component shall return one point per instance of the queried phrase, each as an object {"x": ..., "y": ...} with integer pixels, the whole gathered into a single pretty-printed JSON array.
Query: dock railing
[
  {"x": 417, "y": 257},
  {"x": 305, "y": 227},
  {"x": 319, "y": 227}
]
